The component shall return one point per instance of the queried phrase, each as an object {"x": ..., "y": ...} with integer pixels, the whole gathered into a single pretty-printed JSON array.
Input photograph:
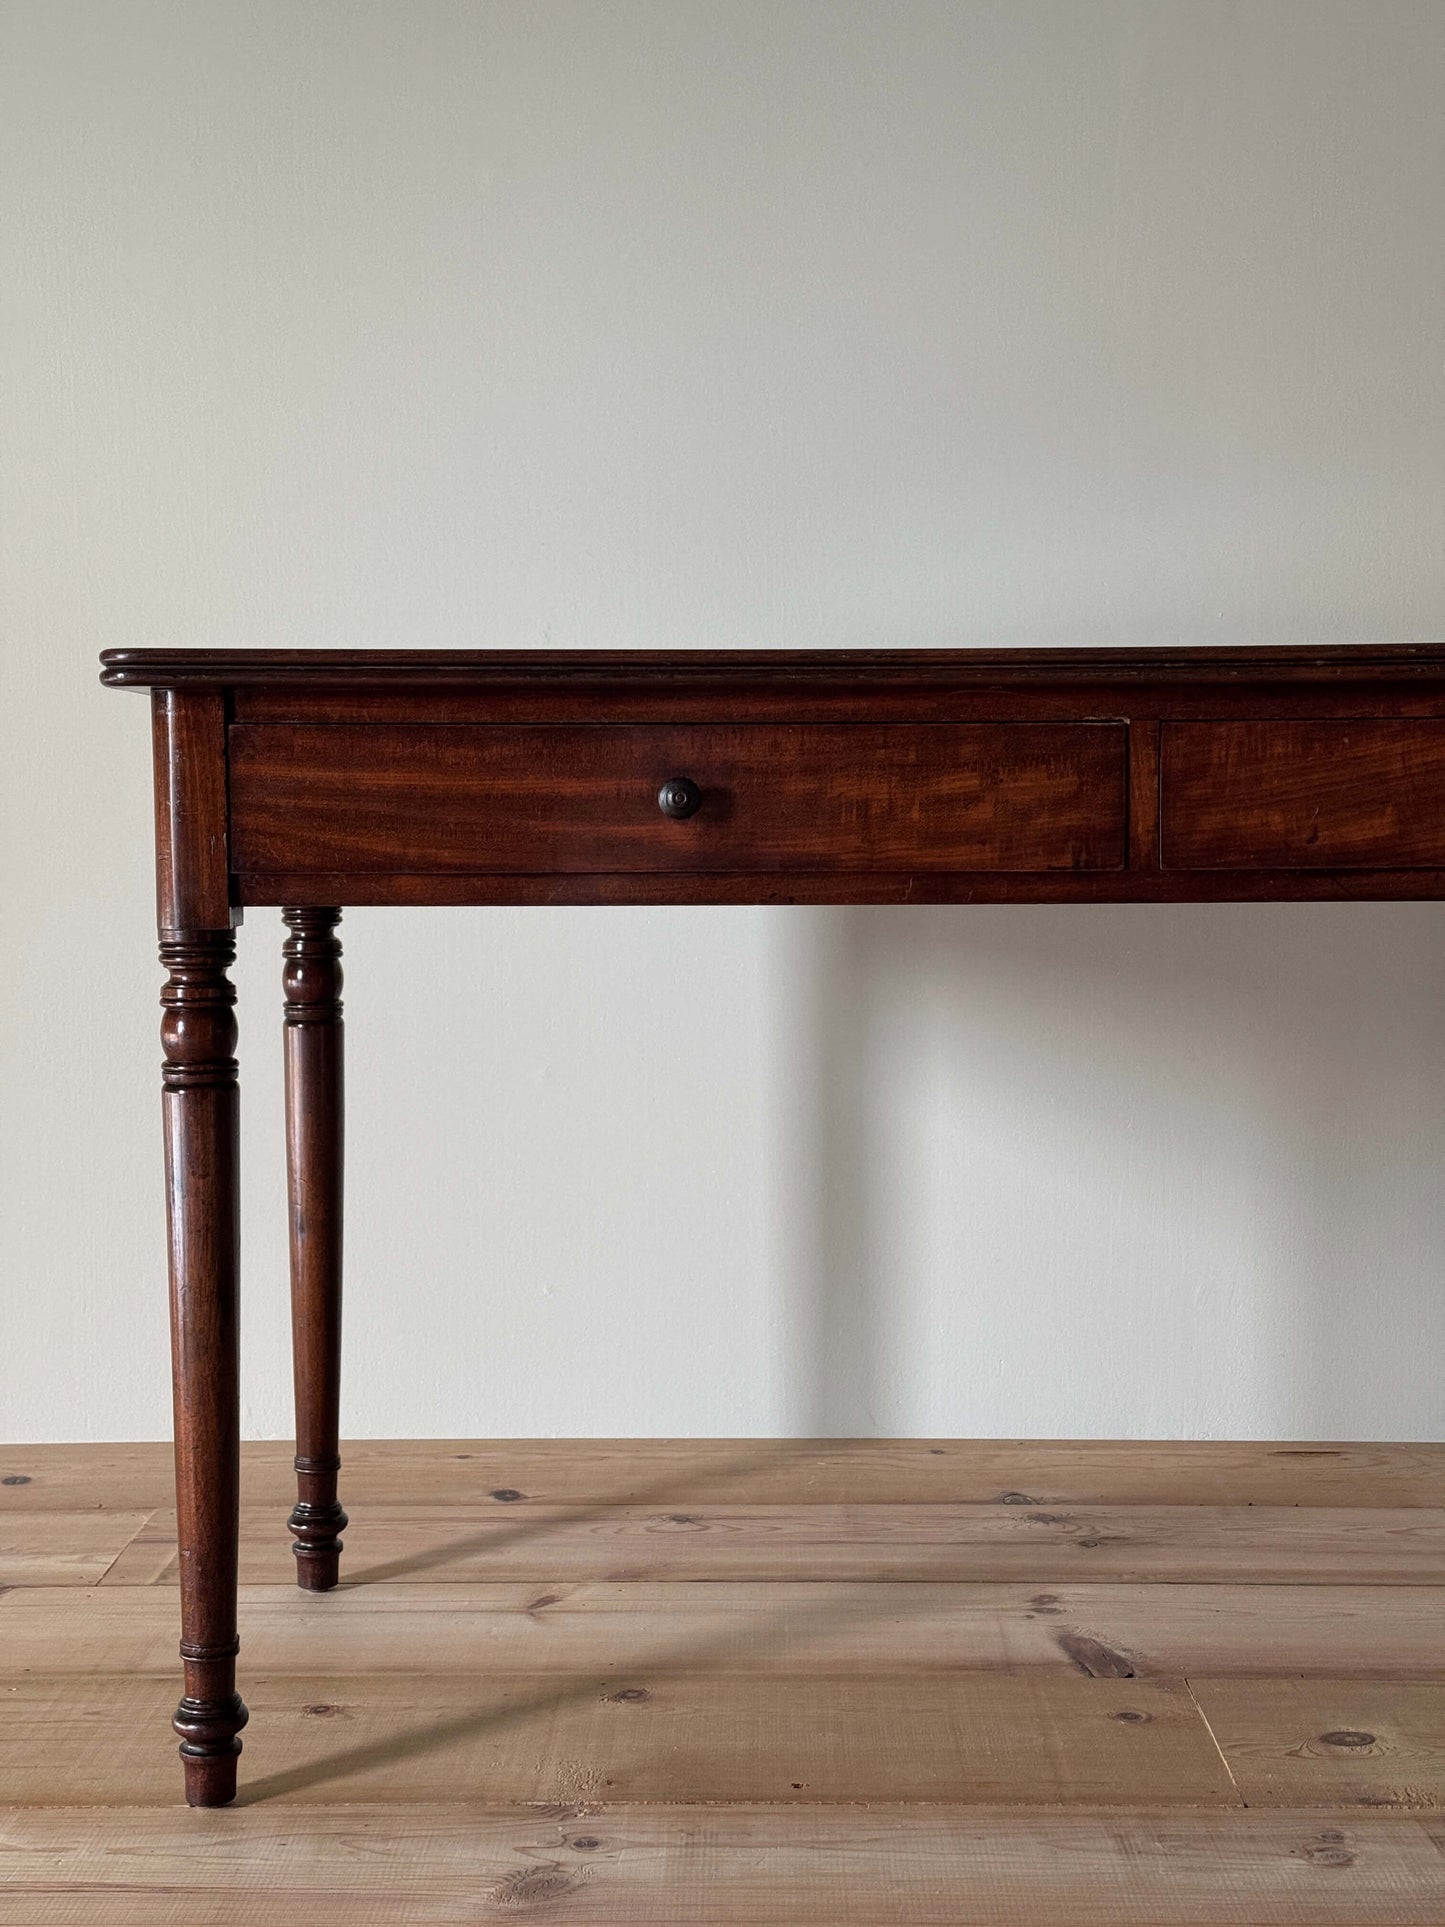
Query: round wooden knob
[{"x": 679, "y": 797}]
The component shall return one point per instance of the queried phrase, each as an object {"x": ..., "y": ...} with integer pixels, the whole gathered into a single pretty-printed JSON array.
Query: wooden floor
[{"x": 744, "y": 1683}]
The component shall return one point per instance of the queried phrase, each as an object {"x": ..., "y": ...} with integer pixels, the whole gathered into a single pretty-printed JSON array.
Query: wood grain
[
  {"x": 1352, "y": 1742},
  {"x": 575, "y": 799},
  {"x": 454, "y": 1865},
  {"x": 1319, "y": 1706},
  {"x": 802, "y": 1627},
  {"x": 569, "y": 1472},
  {"x": 1302, "y": 795},
  {"x": 1143, "y": 794},
  {"x": 1308, "y": 1546},
  {"x": 63, "y": 1548},
  {"x": 188, "y": 760},
  {"x": 529, "y": 1737}
]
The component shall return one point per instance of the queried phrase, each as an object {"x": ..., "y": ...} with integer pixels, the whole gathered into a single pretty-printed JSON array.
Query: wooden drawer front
[
  {"x": 1302, "y": 796},
  {"x": 544, "y": 797}
]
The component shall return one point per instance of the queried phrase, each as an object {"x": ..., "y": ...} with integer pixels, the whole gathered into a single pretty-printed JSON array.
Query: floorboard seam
[
  {"x": 1214, "y": 1741},
  {"x": 126, "y": 1547}
]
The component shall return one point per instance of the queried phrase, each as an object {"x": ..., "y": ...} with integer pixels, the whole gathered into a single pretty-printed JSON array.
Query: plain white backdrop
[{"x": 731, "y": 323}]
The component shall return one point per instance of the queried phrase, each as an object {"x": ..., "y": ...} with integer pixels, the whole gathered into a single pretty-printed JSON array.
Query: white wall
[{"x": 732, "y": 323}]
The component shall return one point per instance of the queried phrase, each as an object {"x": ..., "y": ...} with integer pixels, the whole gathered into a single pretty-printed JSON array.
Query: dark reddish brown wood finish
[
  {"x": 558, "y": 798},
  {"x": 188, "y": 740},
  {"x": 1143, "y": 795},
  {"x": 1308, "y": 795},
  {"x": 314, "y": 1036},
  {"x": 200, "y": 1100},
  {"x": 850, "y": 886},
  {"x": 312, "y": 780},
  {"x": 200, "y": 1106},
  {"x": 288, "y": 672}
]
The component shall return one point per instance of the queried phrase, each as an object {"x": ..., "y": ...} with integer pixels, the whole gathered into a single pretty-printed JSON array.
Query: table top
[{"x": 220, "y": 668}]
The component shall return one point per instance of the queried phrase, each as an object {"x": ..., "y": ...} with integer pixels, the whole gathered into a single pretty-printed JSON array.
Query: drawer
[
  {"x": 428, "y": 798},
  {"x": 1306, "y": 795}
]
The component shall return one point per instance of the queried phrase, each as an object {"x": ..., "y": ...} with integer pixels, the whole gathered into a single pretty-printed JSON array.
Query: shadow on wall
[{"x": 1191, "y": 1151}]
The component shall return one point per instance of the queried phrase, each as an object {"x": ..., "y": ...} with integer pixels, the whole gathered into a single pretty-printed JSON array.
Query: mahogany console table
[{"x": 313, "y": 780}]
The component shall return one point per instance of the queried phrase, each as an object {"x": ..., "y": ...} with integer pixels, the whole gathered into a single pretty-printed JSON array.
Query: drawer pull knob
[{"x": 679, "y": 798}]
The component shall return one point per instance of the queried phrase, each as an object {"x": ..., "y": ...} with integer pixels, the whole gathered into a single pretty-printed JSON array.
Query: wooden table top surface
[{"x": 169, "y": 668}]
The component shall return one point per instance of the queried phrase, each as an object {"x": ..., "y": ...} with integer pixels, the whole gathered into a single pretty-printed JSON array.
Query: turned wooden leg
[
  {"x": 314, "y": 1135},
  {"x": 201, "y": 1105}
]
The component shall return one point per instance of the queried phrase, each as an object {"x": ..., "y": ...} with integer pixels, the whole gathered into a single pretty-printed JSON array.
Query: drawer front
[
  {"x": 1302, "y": 796},
  {"x": 575, "y": 799}
]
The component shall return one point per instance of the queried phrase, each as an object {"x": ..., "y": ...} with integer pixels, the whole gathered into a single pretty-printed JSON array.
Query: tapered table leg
[
  {"x": 314, "y": 1139},
  {"x": 200, "y": 1100}
]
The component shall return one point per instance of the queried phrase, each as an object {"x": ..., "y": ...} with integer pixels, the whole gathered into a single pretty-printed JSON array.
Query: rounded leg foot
[
  {"x": 210, "y": 1777},
  {"x": 317, "y": 1571},
  {"x": 210, "y": 1746},
  {"x": 316, "y": 1527}
]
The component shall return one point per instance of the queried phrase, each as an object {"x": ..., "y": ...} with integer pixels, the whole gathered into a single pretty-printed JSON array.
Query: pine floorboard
[
  {"x": 1036, "y": 1472},
  {"x": 748, "y": 1682},
  {"x": 790, "y": 1626},
  {"x": 1306, "y": 1545},
  {"x": 63, "y": 1548},
  {"x": 451, "y": 1865}
]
